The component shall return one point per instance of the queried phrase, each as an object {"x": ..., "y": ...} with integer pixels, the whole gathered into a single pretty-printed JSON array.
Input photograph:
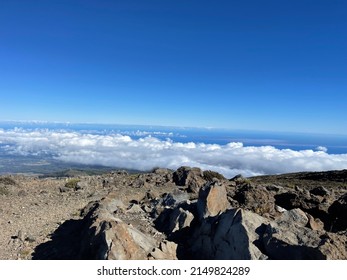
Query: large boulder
[
  {"x": 233, "y": 235},
  {"x": 338, "y": 212},
  {"x": 180, "y": 219},
  {"x": 107, "y": 237},
  {"x": 190, "y": 177},
  {"x": 212, "y": 200},
  {"x": 256, "y": 199},
  {"x": 314, "y": 205},
  {"x": 237, "y": 234},
  {"x": 288, "y": 238}
]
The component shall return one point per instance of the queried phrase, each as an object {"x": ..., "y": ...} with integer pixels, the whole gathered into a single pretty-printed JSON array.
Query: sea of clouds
[{"x": 144, "y": 153}]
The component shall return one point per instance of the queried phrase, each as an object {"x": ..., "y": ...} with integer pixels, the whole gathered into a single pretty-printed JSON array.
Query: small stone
[
  {"x": 21, "y": 235},
  {"x": 30, "y": 239}
]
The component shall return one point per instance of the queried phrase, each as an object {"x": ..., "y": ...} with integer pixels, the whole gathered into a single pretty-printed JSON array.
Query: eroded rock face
[
  {"x": 166, "y": 251},
  {"x": 256, "y": 199},
  {"x": 108, "y": 237},
  {"x": 231, "y": 235},
  {"x": 212, "y": 200},
  {"x": 208, "y": 228},
  {"x": 192, "y": 178},
  {"x": 180, "y": 215},
  {"x": 288, "y": 238}
]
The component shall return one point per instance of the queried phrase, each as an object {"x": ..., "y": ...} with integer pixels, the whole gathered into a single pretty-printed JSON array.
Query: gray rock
[
  {"x": 134, "y": 209},
  {"x": 233, "y": 235},
  {"x": 212, "y": 200},
  {"x": 288, "y": 238},
  {"x": 236, "y": 235},
  {"x": 315, "y": 223},
  {"x": 166, "y": 251},
  {"x": 255, "y": 198},
  {"x": 294, "y": 216},
  {"x": 180, "y": 219},
  {"x": 192, "y": 178},
  {"x": 106, "y": 236}
]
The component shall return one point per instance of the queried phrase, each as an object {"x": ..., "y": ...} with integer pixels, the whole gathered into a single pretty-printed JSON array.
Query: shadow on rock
[{"x": 64, "y": 243}]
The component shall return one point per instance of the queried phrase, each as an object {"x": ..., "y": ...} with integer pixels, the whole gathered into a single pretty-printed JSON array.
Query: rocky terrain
[{"x": 183, "y": 214}]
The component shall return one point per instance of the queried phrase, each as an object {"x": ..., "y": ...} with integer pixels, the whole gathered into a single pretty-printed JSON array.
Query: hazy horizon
[{"x": 57, "y": 122}]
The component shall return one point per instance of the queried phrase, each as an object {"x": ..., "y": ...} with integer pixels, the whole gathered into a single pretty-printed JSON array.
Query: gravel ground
[{"x": 31, "y": 209}]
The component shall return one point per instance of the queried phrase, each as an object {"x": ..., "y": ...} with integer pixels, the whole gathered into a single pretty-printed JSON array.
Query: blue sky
[{"x": 264, "y": 65}]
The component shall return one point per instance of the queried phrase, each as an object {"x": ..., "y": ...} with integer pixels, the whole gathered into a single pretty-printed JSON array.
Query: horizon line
[{"x": 171, "y": 126}]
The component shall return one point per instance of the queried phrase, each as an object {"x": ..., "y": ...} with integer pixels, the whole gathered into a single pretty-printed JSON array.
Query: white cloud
[
  {"x": 122, "y": 151},
  {"x": 321, "y": 148}
]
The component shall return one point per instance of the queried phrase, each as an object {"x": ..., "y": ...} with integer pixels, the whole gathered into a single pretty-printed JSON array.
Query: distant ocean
[{"x": 142, "y": 147}]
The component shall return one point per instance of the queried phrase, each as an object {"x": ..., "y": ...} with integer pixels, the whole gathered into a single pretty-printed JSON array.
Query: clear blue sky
[{"x": 265, "y": 65}]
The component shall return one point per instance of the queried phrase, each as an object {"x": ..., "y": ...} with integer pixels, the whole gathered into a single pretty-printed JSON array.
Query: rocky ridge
[{"x": 182, "y": 214}]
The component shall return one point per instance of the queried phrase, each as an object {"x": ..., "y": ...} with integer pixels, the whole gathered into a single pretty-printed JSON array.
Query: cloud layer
[{"x": 122, "y": 151}]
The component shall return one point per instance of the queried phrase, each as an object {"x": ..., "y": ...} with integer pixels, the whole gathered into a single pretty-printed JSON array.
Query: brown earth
[{"x": 166, "y": 214}]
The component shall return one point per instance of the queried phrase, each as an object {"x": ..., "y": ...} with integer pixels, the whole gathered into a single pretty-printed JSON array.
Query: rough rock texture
[
  {"x": 167, "y": 251},
  {"x": 186, "y": 214},
  {"x": 288, "y": 238},
  {"x": 108, "y": 237},
  {"x": 231, "y": 236},
  {"x": 191, "y": 178},
  {"x": 212, "y": 200},
  {"x": 256, "y": 199}
]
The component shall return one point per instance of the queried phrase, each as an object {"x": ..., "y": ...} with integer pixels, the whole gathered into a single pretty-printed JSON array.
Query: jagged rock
[
  {"x": 175, "y": 219},
  {"x": 122, "y": 242},
  {"x": 310, "y": 204},
  {"x": 112, "y": 203},
  {"x": 192, "y": 178},
  {"x": 238, "y": 178},
  {"x": 168, "y": 200},
  {"x": 151, "y": 216},
  {"x": 236, "y": 235},
  {"x": 274, "y": 188},
  {"x": 180, "y": 219},
  {"x": 315, "y": 223},
  {"x": 280, "y": 209},
  {"x": 167, "y": 251},
  {"x": 320, "y": 191},
  {"x": 21, "y": 236},
  {"x": 134, "y": 209},
  {"x": 257, "y": 199},
  {"x": 288, "y": 238},
  {"x": 338, "y": 211},
  {"x": 139, "y": 183},
  {"x": 296, "y": 216},
  {"x": 108, "y": 237},
  {"x": 162, "y": 171},
  {"x": 334, "y": 246},
  {"x": 232, "y": 236},
  {"x": 212, "y": 200}
]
